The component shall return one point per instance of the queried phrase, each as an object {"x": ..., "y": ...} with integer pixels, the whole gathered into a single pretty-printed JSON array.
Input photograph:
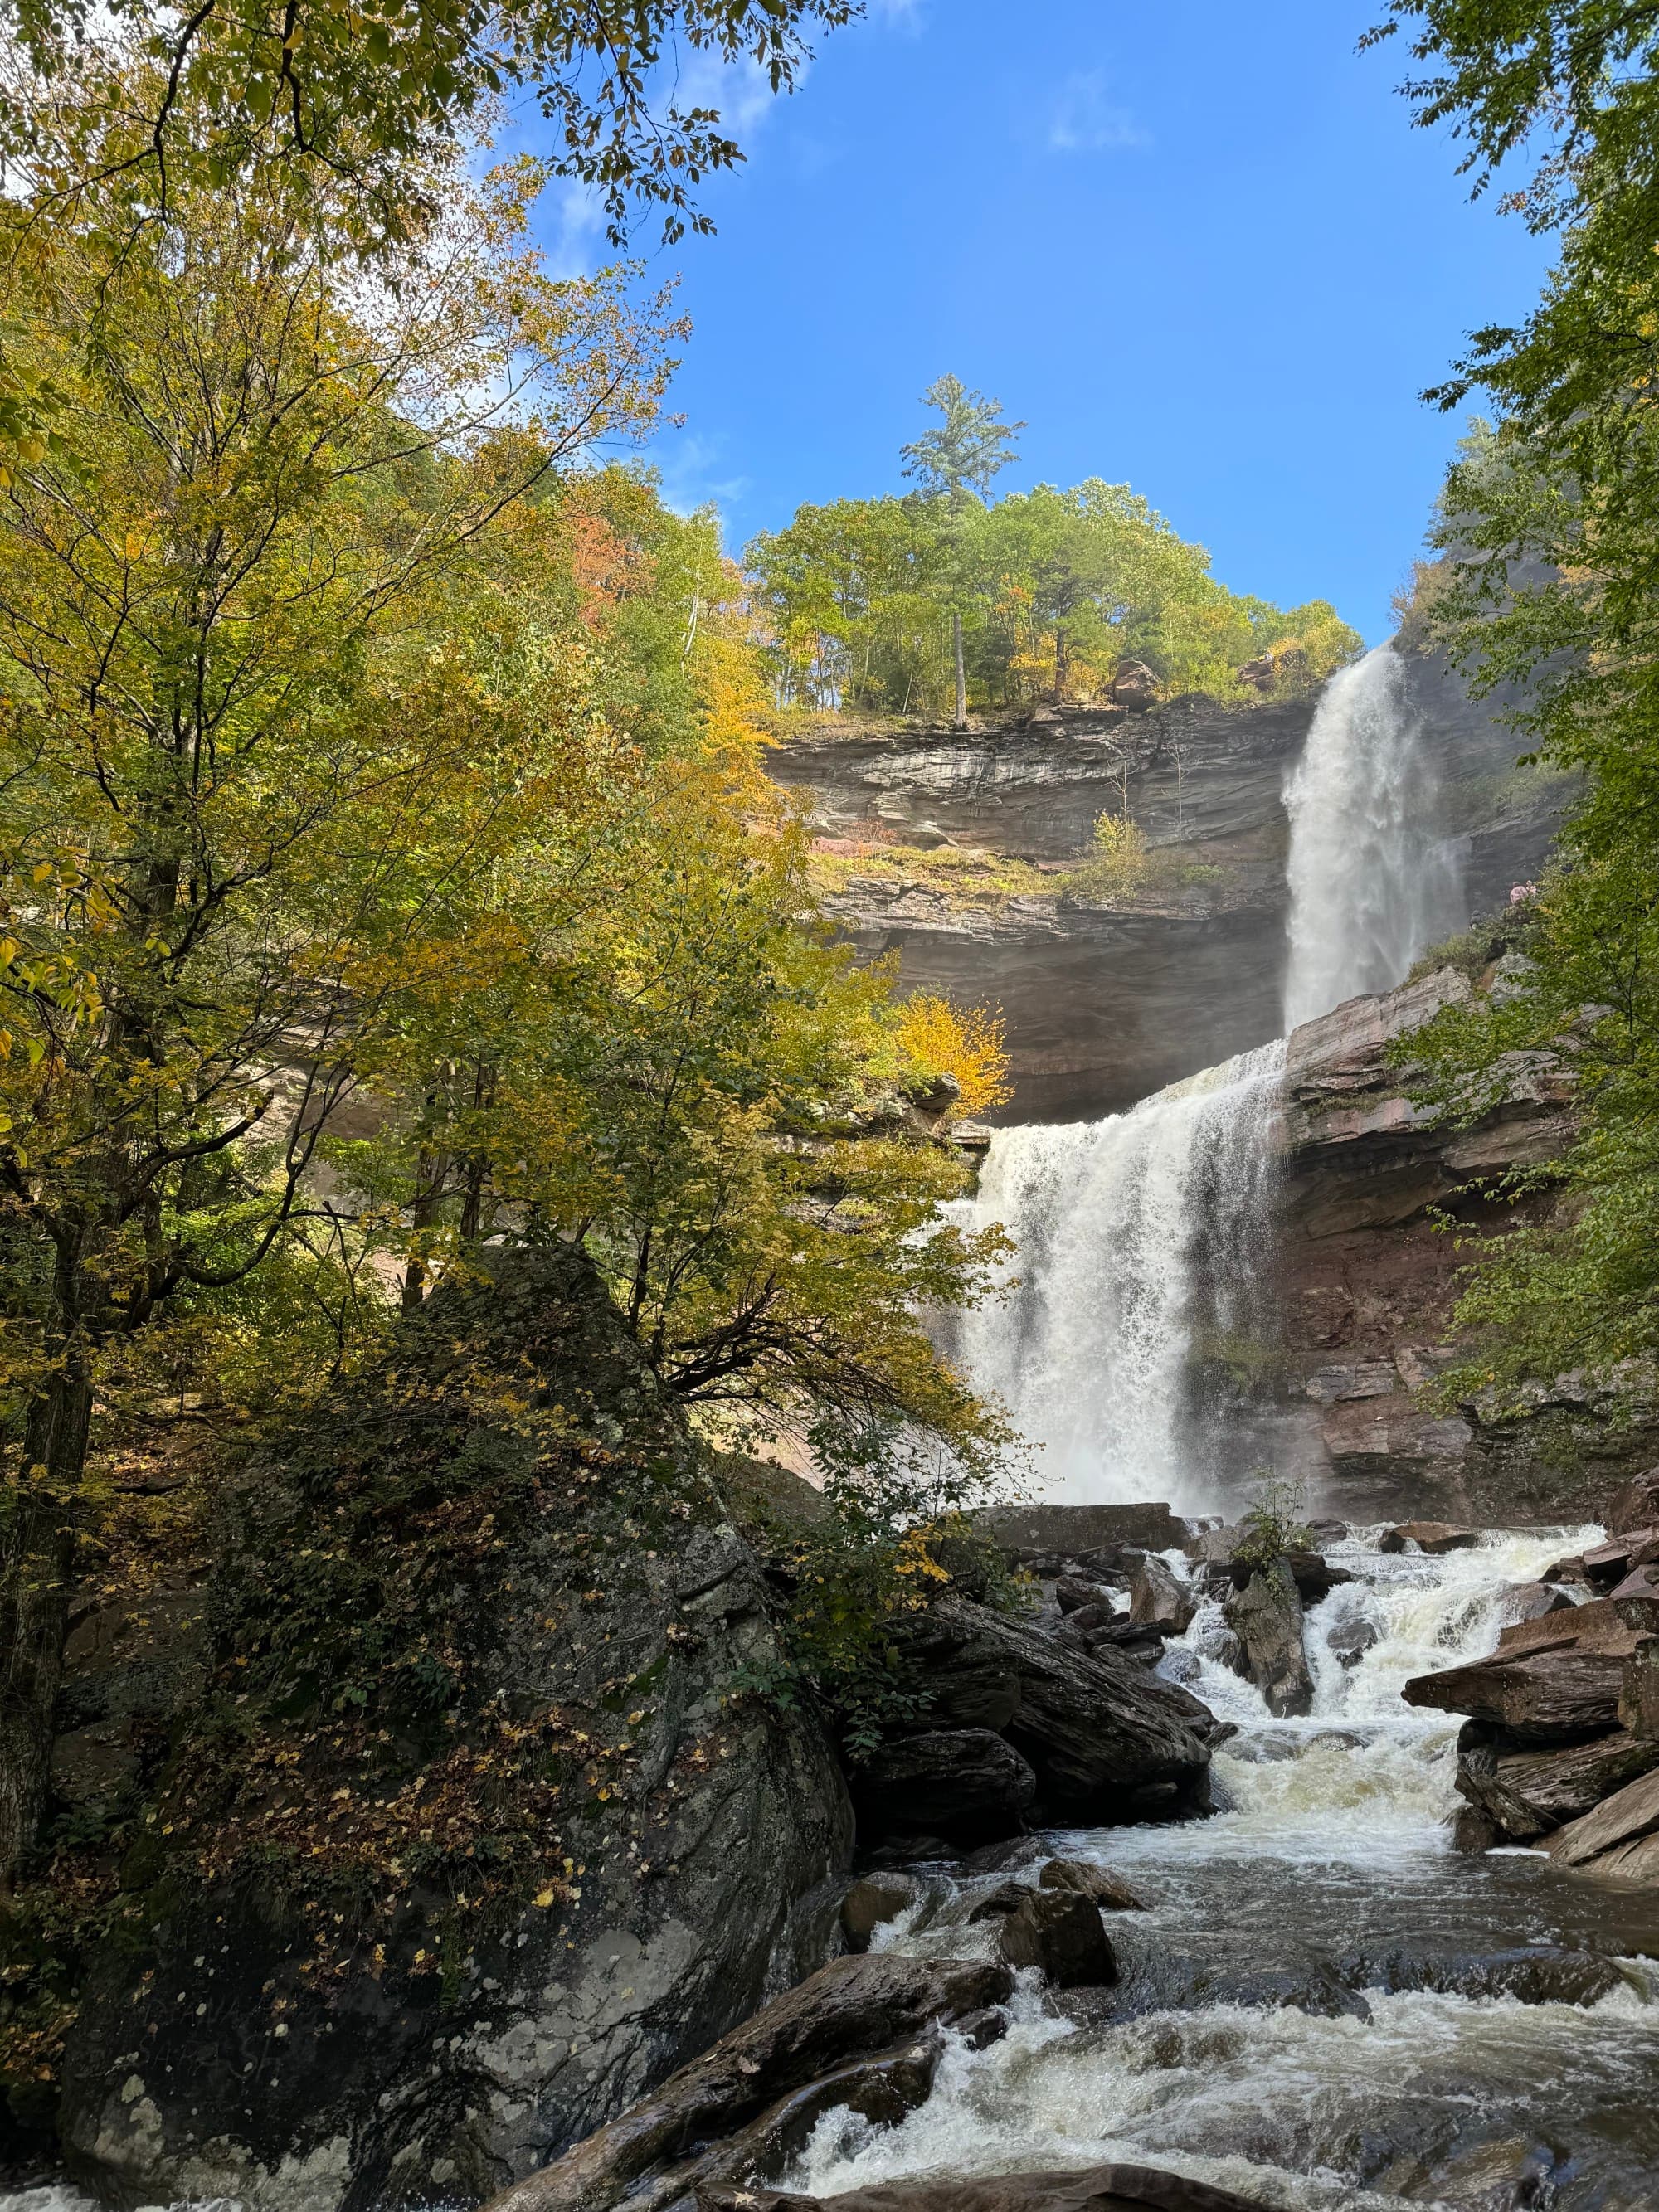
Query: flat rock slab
[
  {"x": 1434, "y": 1537},
  {"x": 1113, "y": 2188},
  {"x": 1629, "y": 1814},
  {"x": 1077, "y": 1528},
  {"x": 1543, "y": 1696}
]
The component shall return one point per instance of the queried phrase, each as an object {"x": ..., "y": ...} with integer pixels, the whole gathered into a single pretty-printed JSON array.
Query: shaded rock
[
  {"x": 1629, "y": 1814},
  {"x": 1266, "y": 1616},
  {"x": 1157, "y": 1600},
  {"x": 1641, "y": 1582},
  {"x": 850, "y": 2008},
  {"x": 1432, "y": 1537},
  {"x": 565, "y": 2003},
  {"x": 1075, "y": 1529},
  {"x": 1059, "y": 1932},
  {"x": 1114, "y": 2188},
  {"x": 1527, "y": 1792},
  {"x": 1101, "y": 1614},
  {"x": 871, "y": 1902},
  {"x": 1073, "y": 1594},
  {"x": 1635, "y": 1506},
  {"x": 1104, "y": 1888},
  {"x": 967, "y": 1785},
  {"x": 1569, "y": 1691},
  {"x": 1523, "y": 1601},
  {"x": 1474, "y": 1832},
  {"x": 1007, "y": 1897},
  {"x": 1098, "y": 1730}
]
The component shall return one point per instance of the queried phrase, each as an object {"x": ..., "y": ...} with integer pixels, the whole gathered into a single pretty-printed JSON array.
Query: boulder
[
  {"x": 1315, "y": 1576},
  {"x": 1059, "y": 1932},
  {"x": 967, "y": 1785},
  {"x": 508, "y": 1485},
  {"x": 1348, "y": 1641},
  {"x": 1527, "y": 1792},
  {"x": 1474, "y": 1832},
  {"x": 851, "y": 2008},
  {"x": 873, "y": 1900},
  {"x": 1107, "y": 1741},
  {"x": 1524, "y": 1602},
  {"x": 1628, "y": 1815},
  {"x": 1635, "y": 1506},
  {"x": 1157, "y": 1600},
  {"x": 1073, "y": 1594},
  {"x": 1113, "y": 2188},
  {"x": 1098, "y": 1883},
  {"x": 1434, "y": 1537},
  {"x": 1266, "y": 1616},
  {"x": 1134, "y": 686},
  {"x": 1642, "y": 1582},
  {"x": 1540, "y": 1696}
]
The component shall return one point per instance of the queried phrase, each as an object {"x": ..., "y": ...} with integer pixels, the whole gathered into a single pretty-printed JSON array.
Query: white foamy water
[
  {"x": 1353, "y": 2032},
  {"x": 1372, "y": 882},
  {"x": 1131, "y": 1232}
]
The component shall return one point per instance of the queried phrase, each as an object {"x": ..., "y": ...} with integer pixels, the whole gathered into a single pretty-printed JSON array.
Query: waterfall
[
  {"x": 1371, "y": 883},
  {"x": 1137, "y": 1241}
]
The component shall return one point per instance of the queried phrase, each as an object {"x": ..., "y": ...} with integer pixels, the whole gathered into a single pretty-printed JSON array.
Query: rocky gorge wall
[{"x": 1106, "y": 1003}]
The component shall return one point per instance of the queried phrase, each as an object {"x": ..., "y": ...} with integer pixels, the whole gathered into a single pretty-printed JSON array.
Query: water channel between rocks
[{"x": 1325, "y": 2006}]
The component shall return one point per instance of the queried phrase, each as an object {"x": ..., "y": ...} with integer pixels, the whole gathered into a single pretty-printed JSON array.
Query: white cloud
[{"x": 1086, "y": 121}]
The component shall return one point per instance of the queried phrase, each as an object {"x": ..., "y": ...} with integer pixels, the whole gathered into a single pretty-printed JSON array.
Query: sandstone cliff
[{"x": 1106, "y": 1004}]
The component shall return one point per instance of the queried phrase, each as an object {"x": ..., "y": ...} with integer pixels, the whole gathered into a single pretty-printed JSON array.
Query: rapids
[{"x": 1324, "y": 2007}]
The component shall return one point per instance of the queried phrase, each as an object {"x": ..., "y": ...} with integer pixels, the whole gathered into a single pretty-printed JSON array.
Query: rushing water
[
  {"x": 1139, "y": 1246},
  {"x": 1325, "y": 2007},
  {"x": 1372, "y": 880}
]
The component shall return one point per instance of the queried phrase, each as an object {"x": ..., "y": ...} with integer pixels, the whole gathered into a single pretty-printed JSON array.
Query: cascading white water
[
  {"x": 1371, "y": 880},
  {"x": 1130, "y": 1233},
  {"x": 1324, "y": 2007}
]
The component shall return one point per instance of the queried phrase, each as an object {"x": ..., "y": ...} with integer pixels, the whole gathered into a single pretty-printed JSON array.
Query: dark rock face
[
  {"x": 728, "y": 2109},
  {"x": 1526, "y": 1792},
  {"x": 1266, "y": 1616},
  {"x": 1059, "y": 1932},
  {"x": 238, "y": 2046},
  {"x": 966, "y": 1785},
  {"x": 1107, "y": 1741},
  {"x": 1071, "y": 1531}
]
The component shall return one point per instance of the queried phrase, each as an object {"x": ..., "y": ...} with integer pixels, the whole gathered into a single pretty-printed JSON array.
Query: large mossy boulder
[{"x": 480, "y": 1830}]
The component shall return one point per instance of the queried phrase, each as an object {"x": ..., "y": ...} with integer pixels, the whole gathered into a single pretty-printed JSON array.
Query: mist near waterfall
[{"x": 1372, "y": 881}]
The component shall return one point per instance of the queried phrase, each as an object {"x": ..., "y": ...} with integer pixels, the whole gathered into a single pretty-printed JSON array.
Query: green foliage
[
  {"x": 1055, "y": 589},
  {"x": 1272, "y": 1521},
  {"x": 1122, "y": 868},
  {"x": 965, "y": 451}
]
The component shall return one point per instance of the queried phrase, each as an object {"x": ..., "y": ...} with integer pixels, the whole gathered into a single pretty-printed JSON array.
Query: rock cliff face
[
  {"x": 1368, "y": 1279},
  {"x": 1105, "y": 1004}
]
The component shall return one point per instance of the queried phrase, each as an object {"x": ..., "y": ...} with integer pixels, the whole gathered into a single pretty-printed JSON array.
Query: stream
[{"x": 1324, "y": 2005}]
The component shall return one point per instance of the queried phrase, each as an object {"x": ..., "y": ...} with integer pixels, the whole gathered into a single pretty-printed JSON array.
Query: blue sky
[{"x": 1197, "y": 247}]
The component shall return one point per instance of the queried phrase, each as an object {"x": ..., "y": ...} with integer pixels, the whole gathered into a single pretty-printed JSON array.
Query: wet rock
[
  {"x": 1059, "y": 1931},
  {"x": 1349, "y": 1640},
  {"x": 1540, "y": 1696},
  {"x": 1624, "y": 1817},
  {"x": 849, "y": 2010},
  {"x": 1638, "y": 1692},
  {"x": 1434, "y": 1537},
  {"x": 1007, "y": 1897},
  {"x": 1181, "y": 1666},
  {"x": 1114, "y": 2188},
  {"x": 1472, "y": 1832},
  {"x": 1098, "y": 1883},
  {"x": 1266, "y": 1616},
  {"x": 967, "y": 1785},
  {"x": 1102, "y": 1614},
  {"x": 1523, "y": 1601},
  {"x": 1527, "y": 1793},
  {"x": 1099, "y": 1732},
  {"x": 872, "y": 1901},
  {"x": 1157, "y": 1600},
  {"x": 1073, "y": 1594}
]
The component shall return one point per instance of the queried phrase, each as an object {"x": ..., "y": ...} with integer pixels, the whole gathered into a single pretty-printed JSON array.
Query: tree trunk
[
  {"x": 37, "y": 1558},
  {"x": 1059, "y": 667},
  {"x": 961, "y": 722}
]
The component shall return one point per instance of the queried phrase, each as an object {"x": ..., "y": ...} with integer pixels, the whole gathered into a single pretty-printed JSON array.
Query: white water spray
[
  {"x": 1134, "y": 1234},
  {"x": 1371, "y": 881}
]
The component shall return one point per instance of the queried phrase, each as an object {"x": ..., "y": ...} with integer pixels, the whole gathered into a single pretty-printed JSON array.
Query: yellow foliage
[{"x": 965, "y": 1042}]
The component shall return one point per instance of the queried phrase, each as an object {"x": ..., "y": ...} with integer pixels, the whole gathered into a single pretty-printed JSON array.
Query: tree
[
  {"x": 953, "y": 462},
  {"x": 243, "y": 767}
]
